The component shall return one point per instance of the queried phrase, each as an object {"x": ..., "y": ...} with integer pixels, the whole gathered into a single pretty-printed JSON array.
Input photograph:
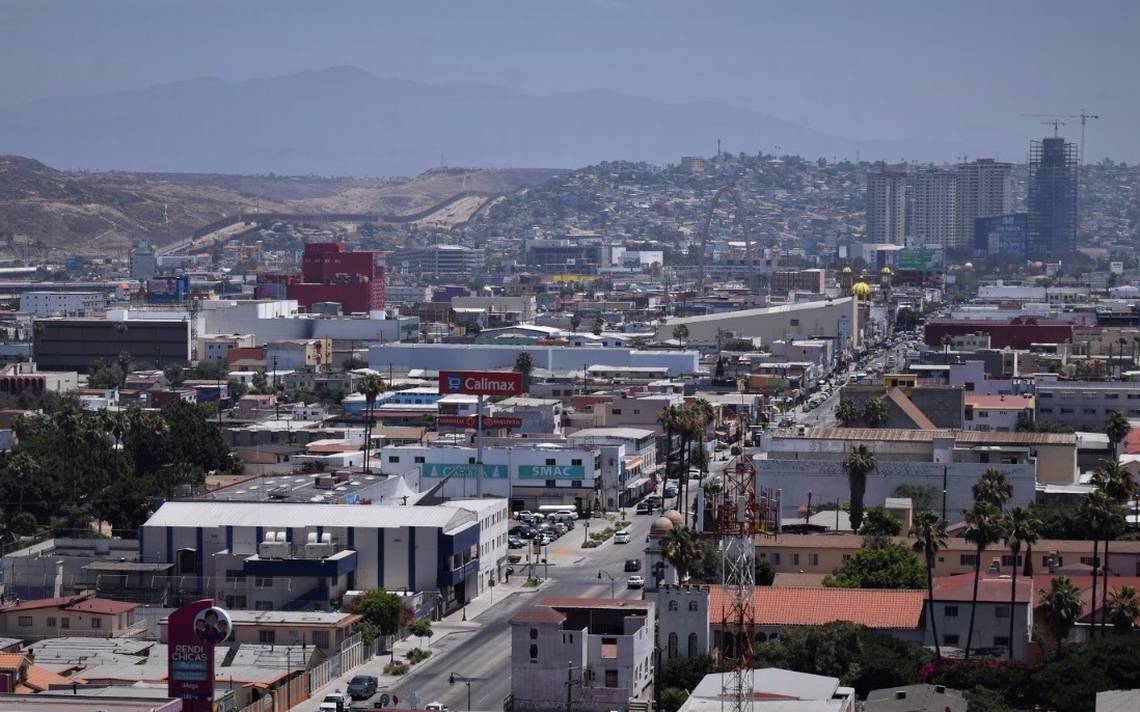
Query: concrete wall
[
  {"x": 820, "y": 318},
  {"x": 434, "y": 357}
]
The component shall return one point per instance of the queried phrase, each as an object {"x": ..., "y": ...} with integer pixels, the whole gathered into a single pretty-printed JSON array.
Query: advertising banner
[
  {"x": 439, "y": 470},
  {"x": 481, "y": 383},
  {"x": 192, "y": 632},
  {"x": 470, "y": 421},
  {"x": 552, "y": 472}
]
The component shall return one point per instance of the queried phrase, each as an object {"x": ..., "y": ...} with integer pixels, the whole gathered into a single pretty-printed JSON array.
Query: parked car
[
  {"x": 644, "y": 508},
  {"x": 633, "y": 564},
  {"x": 362, "y": 687},
  {"x": 524, "y": 515},
  {"x": 635, "y": 581},
  {"x": 515, "y": 542},
  {"x": 670, "y": 492},
  {"x": 623, "y": 537},
  {"x": 335, "y": 702},
  {"x": 435, "y": 707}
]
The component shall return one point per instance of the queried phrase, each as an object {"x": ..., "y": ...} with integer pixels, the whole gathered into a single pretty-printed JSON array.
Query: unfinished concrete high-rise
[{"x": 1052, "y": 198}]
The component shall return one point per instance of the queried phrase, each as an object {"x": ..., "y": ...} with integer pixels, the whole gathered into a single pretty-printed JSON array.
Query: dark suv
[{"x": 362, "y": 687}]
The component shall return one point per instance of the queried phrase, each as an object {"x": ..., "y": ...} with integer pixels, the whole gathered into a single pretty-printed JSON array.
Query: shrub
[{"x": 395, "y": 669}]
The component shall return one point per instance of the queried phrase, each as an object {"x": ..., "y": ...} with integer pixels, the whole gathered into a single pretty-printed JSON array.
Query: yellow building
[{"x": 82, "y": 615}]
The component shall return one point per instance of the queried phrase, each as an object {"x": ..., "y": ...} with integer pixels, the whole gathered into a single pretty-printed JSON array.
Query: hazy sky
[{"x": 862, "y": 69}]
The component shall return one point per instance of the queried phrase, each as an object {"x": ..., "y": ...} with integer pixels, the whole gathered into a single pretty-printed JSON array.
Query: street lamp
[
  {"x": 611, "y": 576},
  {"x": 466, "y": 681},
  {"x": 585, "y": 532}
]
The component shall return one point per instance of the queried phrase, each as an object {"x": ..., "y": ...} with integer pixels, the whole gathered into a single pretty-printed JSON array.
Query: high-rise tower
[
  {"x": 1052, "y": 198},
  {"x": 935, "y": 218},
  {"x": 886, "y": 207},
  {"x": 984, "y": 187}
]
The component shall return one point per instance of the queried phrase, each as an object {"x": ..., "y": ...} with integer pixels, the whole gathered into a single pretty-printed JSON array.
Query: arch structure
[{"x": 750, "y": 245}]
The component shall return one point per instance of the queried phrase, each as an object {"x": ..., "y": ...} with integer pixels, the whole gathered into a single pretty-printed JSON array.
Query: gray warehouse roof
[{"x": 274, "y": 514}]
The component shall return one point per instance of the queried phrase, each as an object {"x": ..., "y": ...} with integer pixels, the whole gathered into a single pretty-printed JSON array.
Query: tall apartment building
[
  {"x": 693, "y": 164},
  {"x": 935, "y": 220},
  {"x": 144, "y": 262},
  {"x": 439, "y": 260},
  {"x": 886, "y": 207},
  {"x": 1052, "y": 198},
  {"x": 984, "y": 187}
]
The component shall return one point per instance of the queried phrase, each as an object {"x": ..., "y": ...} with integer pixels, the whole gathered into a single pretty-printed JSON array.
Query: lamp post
[
  {"x": 466, "y": 681},
  {"x": 585, "y": 532},
  {"x": 611, "y": 577}
]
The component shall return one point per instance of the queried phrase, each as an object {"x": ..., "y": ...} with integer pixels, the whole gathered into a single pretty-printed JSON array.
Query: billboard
[
  {"x": 481, "y": 383},
  {"x": 462, "y": 471},
  {"x": 918, "y": 260},
  {"x": 552, "y": 472},
  {"x": 1006, "y": 235},
  {"x": 470, "y": 421},
  {"x": 192, "y": 632}
]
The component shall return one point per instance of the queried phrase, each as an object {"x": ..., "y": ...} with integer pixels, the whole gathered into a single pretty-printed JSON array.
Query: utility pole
[{"x": 569, "y": 686}]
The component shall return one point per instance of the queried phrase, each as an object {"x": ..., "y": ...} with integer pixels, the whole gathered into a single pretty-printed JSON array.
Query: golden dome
[
  {"x": 885, "y": 270},
  {"x": 861, "y": 289},
  {"x": 846, "y": 270}
]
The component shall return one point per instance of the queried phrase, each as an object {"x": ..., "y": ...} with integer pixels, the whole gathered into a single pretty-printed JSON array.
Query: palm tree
[
  {"x": 1096, "y": 510},
  {"x": 705, "y": 416},
  {"x": 1061, "y": 606},
  {"x": 680, "y": 549},
  {"x": 847, "y": 413},
  {"x": 1116, "y": 428},
  {"x": 1118, "y": 486},
  {"x": 1021, "y": 531},
  {"x": 993, "y": 487},
  {"x": 929, "y": 534},
  {"x": 875, "y": 412},
  {"x": 371, "y": 386},
  {"x": 859, "y": 463},
  {"x": 575, "y": 322},
  {"x": 984, "y": 526},
  {"x": 1123, "y": 609},
  {"x": 524, "y": 364},
  {"x": 681, "y": 333}
]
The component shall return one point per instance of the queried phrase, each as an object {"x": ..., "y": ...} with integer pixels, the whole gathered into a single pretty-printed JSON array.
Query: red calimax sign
[{"x": 481, "y": 383}]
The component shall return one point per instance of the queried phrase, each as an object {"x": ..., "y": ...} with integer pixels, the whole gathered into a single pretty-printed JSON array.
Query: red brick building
[
  {"x": 1017, "y": 333},
  {"x": 330, "y": 274}
]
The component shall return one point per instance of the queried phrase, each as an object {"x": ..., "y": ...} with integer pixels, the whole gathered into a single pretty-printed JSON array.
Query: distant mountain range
[{"x": 345, "y": 121}]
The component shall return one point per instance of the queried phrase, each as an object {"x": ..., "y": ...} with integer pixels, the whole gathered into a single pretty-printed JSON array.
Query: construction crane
[
  {"x": 1084, "y": 117},
  {"x": 1056, "y": 124}
]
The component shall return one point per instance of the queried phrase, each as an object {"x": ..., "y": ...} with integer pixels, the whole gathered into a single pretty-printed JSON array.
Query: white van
[{"x": 623, "y": 537}]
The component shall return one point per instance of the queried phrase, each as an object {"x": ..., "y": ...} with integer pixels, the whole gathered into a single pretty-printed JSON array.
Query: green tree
[
  {"x": 984, "y": 526},
  {"x": 353, "y": 362},
  {"x": 1097, "y": 510},
  {"x": 889, "y": 565},
  {"x": 929, "y": 534},
  {"x": 575, "y": 323},
  {"x": 599, "y": 325},
  {"x": 879, "y": 522},
  {"x": 381, "y": 613},
  {"x": 1116, "y": 482},
  {"x": 859, "y": 463},
  {"x": 686, "y": 673},
  {"x": 421, "y": 628},
  {"x": 993, "y": 487},
  {"x": 681, "y": 333},
  {"x": 1117, "y": 429},
  {"x": 524, "y": 364},
  {"x": 983, "y": 699},
  {"x": 1021, "y": 531},
  {"x": 875, "y": 412},
  {"x": 1061, "y": 608},
  {"x": 847, "y": 413},
  {"x": 1124, "y": 609},
  {"x": 680, "y": 548},
  {"x": 924, "y": 498}
]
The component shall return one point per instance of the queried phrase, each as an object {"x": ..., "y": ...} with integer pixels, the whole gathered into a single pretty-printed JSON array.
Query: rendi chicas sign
[
  {"x": 192, "y": 632},
  {"x": 481, "y": 383}
]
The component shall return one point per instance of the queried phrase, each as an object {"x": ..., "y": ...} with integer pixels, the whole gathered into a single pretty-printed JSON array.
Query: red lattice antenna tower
[{"x": 740, "y": 516}]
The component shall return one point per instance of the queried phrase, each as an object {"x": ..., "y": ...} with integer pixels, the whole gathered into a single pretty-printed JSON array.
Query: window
[
  {"x": 25, "y": 622},
  {"x": 1001, "y": 612},
  {"x": 672, "y": 605},
  {"x": 692, "y": 645},
  {"x": 672, "y": 650},
  {"x": 1007, "y": 560},
  {"x": 65, "y": 622},
  {"x": 950, "y": 639},
  {"x": 551, "y": 483},
  {"x": 1001, "y": 641},
  {"x": 470, "y": 461},
  {"x": 419, "y": 459},
  {"x": 576, "y": 483},
  {"x": 813, "y": 559},
  {"x": 576, "y": 462},
  {"x": 611, "y": 678},
  {"x": 615, "y": 411},
  {"x": 775, "y": 559},
  {"x": 263, "y": 581},
  {"x": 235, "y": 576},
  {"x": 950, "y": 612},
  {"x": 967, "y": 559},
  {"x": 846, "y": 558},
  {"x": 692, "y": 605},
  {"x": 533, "y": 652},
  {"x": 795, "y": 322},
  {"x": 51, "y": 621},
  {"x": 795, "y": 559},
  {"x": 550, "y": 461},
  {"x": 983, "y": 414},
  {"x": 235, "y": 602},
  {"x": 263, "y": 605},
  {"x": 393, "y": 458},
  {"x": 534, "y": 633},
  {"x": 267, "y": 636},
  {"x": 96, "y": 622}
]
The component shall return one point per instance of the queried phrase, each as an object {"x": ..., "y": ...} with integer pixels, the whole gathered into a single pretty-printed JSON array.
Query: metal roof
[{"x": 288, "y": 514}]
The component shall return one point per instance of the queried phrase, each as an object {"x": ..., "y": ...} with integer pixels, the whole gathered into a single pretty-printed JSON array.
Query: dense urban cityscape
[{"x": 749, "y": 429}]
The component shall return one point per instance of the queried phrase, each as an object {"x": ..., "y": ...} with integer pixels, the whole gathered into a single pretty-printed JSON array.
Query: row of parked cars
[{"x": 538, "y": 528}]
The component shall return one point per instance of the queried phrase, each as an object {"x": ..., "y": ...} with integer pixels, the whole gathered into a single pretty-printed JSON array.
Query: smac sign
[
  {"x": 481, "y": 383},
  {"x": 552, "y": 472}
]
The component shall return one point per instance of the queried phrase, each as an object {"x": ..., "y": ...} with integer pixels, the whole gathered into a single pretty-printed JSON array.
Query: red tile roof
[
  {"x": 103, "y": 606},
  {"x": 1084, "y": 583},
  {"x": 11, "y": 661},
  {"x": 991, "y": 588},
  {"x": 874, "y": 608},
  {"x": 39, "y": 679},
  {"x": 38, "y": 603},
  {"x": 1000, "y": 402}
]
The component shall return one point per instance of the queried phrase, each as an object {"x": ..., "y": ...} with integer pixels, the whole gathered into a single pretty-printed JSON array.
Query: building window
[
  {"x": 419, "y": 459},
  {"x": 1001, "y": 641},
  {"x": 795, "y": 322},
  {"x": 950, "y": 639},
  {"x": 51, "y": 622},
  {"x": 393, "y": 458},
  {"x": 615, "y": 411},
  {"x": 672, "y": 653},
  {"x": 25, "y": 621},
  {"x": 1001, "y": 612},
  {"x": 64, "y": 622},
  {"x": 551, "y": 483},
  {"x": 575, "y": 483},
  {"x": 611, "y": 678},
  {"x": 950, "y": 612},
  {"x": 813, "y": 559},
  {"x": 775, "y": 559},
  {"x": 1007, "y": 560},
  {"x": 470, "y": 461},
  {"x": 672, "y": 605},
  {"x": 967, "y": 559},
  {"x": 263, "y": 581},
  {"x": 576, "y": 462},
  {"x": 533, "y": 652},
  {"x": 692, "y": 645},
  {"x": 267, "y": 636},
  {"x": 846, "y": 558},
  {"x": 692, "y": 605},
  {"x": 550, "y": 461},
  {"x": 795, "y": 559},
  {"x": 96, "y": 622},
  {"x": 263, "y": 605},
  {"x": 534, "y": 633}
]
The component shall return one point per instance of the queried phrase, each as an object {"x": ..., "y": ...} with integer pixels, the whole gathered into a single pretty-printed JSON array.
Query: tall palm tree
[
  {"x": 1116, "y": 428},
  {"x": 875, "y": 412},
  {"x": 1123, "y": 609},
  {"x": 370, "y": 386},
  {"x": 1118, "y": 486},
  {"x": 993, "y": 487},
  {"x": 1022, "y": 530},
  {"x": 679, "y": 547},
  {"x": 847, "y": 413},
  {"x": 984, "y": 526},
  {"x": 1096, "y": 510},
  {"x": 859, "y": 463},
  {"x": 1061, "y": 606},
  {"x": 929, "y": 534},
  {"x": 704, "y": 415},
  {"x": 524, "y": 364}
]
